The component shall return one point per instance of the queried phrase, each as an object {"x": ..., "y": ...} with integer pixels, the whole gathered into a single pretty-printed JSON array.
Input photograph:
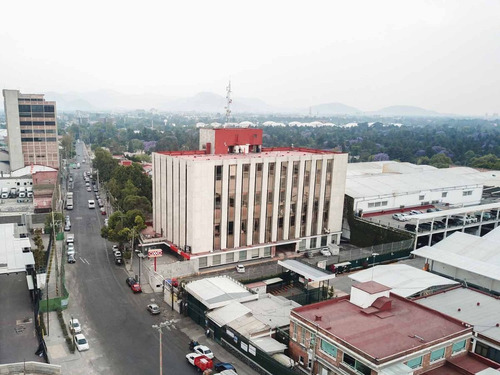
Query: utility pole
[{"x": 160, "y": 327}]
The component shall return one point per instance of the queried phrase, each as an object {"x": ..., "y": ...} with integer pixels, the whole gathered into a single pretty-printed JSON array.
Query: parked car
[
  {"x": 240, "y": 268},
  {"x": 205, "y": 350},
  {"x": 153, "y": 309},
  {"x": 103, "y": 211},
  {"x": 74, "y": 326},
  {"x": 221, "y": 366},
  {"x": 486, "y": 216},
  {"x": 324, "y": 251},
  {"x": 100, "y": 202},
  {"x": 106, "y": 222},
  {"x": 67, "y": 226},
  {"x": 81, "y": 343},
  {"x": 412, "y": 227},
  {"x": 415, "y": 212},
  {"x": 118, "y": 260},
  {"x": 136, "y": 288},
  {"x": 89, "y": 188},
  {"x": 71, "y": 249},
  {"x": 400, "y": 217},
  {"x": 200, "y": 361},
  {"x": 71, "y": 259},
  {"x": 425, "y": 226},
  {"x": 130, "y": 281}
]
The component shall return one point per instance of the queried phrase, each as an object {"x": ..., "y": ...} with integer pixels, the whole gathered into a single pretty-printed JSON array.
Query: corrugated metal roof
[
  {"x": 480, "y": 255},
  {"x": 248, "y": 326},
  {"x": 269, "y": 345},
  {"x": 272, "y": 310},
  {"x": 462, "y": 304},
  {"x": 385, "y": 184},
  {"x": 403, "y": 279},
  {"x": 228, "y": 313},
  {"x": 219, "y": 291},
  {"x": 305, "y": 270}
]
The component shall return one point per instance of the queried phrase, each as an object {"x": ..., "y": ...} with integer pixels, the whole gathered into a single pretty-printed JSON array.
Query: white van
[{"x": 91, "y": 203}]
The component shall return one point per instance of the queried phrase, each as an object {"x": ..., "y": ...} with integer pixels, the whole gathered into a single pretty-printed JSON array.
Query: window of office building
[
  {"x": 329, "y": 349},
  {"x": 243, "y": 255},
  {"x": 294, "y": 198},
  {"x": 458, "y": 346},
  {"x": 217, "y": 206},
  {"x": 437, "y": 354},
  {"x": 415, "y": 362},
  {"x": 317, "y": 188},
  {"x": 355, "y": 364},
  {"x": 231, "y": 209},
  {"x": 216, "y": 260},
  {"x": 282, "y": 199},
  {"x": 270, "y": 200},
  {"x": 229, "y": 257},
  {"x": 305, "y": 197},
  {"x": 257, "y": 203},
  {"x": 202, "y": 262},
  {"x": 245, "y": 186}
]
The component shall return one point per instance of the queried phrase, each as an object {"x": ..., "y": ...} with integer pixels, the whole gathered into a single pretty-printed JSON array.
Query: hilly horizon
[{"x": 209, "y": 102}]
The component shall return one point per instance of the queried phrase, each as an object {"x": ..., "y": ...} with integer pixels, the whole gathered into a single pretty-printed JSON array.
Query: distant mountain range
[{"x": 208, "y": 102}]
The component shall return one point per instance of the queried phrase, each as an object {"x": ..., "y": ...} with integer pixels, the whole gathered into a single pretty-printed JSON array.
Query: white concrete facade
[
  {"x": 377, "y": 188},
  {"x": 245, "y": 204}
]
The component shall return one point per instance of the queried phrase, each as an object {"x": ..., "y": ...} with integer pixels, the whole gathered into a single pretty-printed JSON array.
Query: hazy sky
[{"x": 440, "y": 55}]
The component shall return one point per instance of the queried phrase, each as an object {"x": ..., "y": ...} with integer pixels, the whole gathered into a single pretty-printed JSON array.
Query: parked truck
[
  {"x": 5, "y": 193},
  {"x": 29, "y": 192},
  {"x": 69, "y": 200},
  {"x": 22, "y": 192}
]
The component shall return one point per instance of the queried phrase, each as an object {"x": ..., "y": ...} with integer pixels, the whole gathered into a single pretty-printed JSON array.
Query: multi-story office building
[
  {"x": 234, "y": 200},
  {"x": 31, "y": 129}
]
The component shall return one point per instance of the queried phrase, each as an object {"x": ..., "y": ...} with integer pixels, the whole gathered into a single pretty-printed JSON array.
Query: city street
[{"x": 114, "y": 319}]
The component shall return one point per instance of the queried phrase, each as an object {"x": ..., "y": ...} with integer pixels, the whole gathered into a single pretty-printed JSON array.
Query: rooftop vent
[{"x": 317, "y": 318}]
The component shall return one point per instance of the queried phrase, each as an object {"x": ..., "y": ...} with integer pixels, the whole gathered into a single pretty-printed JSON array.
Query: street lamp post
[
  {"x": 160, "y": 327},
  {"x": 373, "y": 264},
  {"x": 141, "y": 256}
]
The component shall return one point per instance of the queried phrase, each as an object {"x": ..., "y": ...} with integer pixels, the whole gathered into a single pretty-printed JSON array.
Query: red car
[
  {"x": 136, "y": 288},
  {"x": 103, "y": 211}
]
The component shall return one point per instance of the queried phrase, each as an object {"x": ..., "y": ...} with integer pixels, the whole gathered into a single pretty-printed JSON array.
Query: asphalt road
[{"x": 114, "y": 320}]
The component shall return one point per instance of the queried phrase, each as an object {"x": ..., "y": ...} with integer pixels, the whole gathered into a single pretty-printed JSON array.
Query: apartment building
[
  {"x": 234, "y": 200},
  {"x": 31, "y": 129},
  {"x": 373, "y": 331}
]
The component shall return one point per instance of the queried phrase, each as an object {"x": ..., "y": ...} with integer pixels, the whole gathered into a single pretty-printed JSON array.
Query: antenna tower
[{"x": 229, "y": 101}]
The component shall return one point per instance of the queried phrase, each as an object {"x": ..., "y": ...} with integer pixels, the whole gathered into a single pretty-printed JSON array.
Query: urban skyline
[{"x": 436, "y": 55}]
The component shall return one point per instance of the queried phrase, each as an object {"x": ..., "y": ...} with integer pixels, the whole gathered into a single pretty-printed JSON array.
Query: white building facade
[{"x": 248, "y": 204}]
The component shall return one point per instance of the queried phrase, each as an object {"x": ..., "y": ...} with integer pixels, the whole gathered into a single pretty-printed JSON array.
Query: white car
[
  {"x": 71, "y": 249},
  {"x": 191, "y": 356},
  {"x": 74, "y": 326},
  {"x": 204, "y": 350},
  {"x": 106, "y": 222},
  {"x": 240, "y": 268},
  {"x": 81, "y": 343},
  {"x": 324, "y": 251},
  {"x": 400, "y": 217}
]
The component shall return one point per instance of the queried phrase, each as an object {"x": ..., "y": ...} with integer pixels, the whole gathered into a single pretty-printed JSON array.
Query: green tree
[
  {"x": 105, "y": 163},
  {"x": 58, "y": 221},
  {"x": 138, "y": 202},
  {"x": 489, "y": 161},
  {"x": 440, "y": 161}
]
